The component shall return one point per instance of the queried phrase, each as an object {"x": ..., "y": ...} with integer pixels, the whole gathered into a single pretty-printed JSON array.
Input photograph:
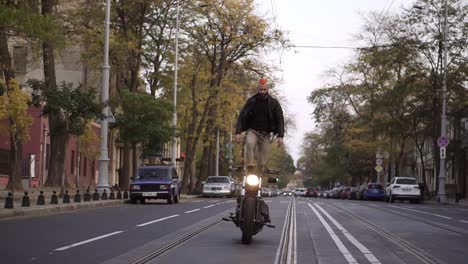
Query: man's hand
[
  {"x": 280, "y": 141},
  {"x": 238, "y": 138}
]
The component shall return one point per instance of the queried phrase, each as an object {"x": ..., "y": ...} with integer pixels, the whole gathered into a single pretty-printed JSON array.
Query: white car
[
  {"x": 403, "y": 188},
  {"x": 300, "y": 192},
  {"x": 219, "y": 186}
]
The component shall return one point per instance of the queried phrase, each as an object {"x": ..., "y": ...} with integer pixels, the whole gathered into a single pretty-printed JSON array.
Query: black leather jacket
[{"x": 275, "y": 113}]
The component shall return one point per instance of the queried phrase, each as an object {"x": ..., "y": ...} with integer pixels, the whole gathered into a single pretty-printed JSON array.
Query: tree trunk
[
  {"x": 15, "y": 174},
  {"x": 5, "y": 59},
  {"x": 57, "y": 122},
  {"x": 134, "y": 160},
  {"x": 124, "y": 177},
  {"x": 193, "y": 176}
]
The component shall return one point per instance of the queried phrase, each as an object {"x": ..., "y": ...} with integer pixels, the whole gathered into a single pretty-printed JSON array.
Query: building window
[
  {"x": 72, "y": 163},
  {"x": 19, "y": 59}
]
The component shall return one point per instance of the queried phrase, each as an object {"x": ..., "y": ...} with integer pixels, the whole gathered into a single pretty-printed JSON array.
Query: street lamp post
[
  {"x": 174, "y": 117},
  {"x": 103, "y": 180},
  {"x": 441, "y": 197}
]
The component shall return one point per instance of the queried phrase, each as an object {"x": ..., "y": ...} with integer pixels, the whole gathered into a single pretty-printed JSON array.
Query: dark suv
[{"x": 155, "y": 182}]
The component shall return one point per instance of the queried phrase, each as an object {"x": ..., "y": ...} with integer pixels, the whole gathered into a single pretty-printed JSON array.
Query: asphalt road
[{"x": 308, "y": 230}]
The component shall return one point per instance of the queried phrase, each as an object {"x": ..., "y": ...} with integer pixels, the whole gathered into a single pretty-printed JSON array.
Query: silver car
[{"x": 219, "y": 186}]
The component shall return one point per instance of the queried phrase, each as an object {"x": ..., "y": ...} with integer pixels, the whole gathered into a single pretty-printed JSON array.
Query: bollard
[
  {"x": 26, "y": 202},
  {"x": 95, "y": 195},
  {"x": 9, "y": 201},
  {"x": 66, "y": 197},
  {"x": 125, "y": 196},
  {"x": 119, "y": 195},
  {"x": 54, "y": 198},
  {"x": 87, "y": 196},
  {"x": 41, "y": 199},
  {"x": 104, "y": 195},
  {"x": 77, "y": 198},
  {"x": 112, "y": 195}
]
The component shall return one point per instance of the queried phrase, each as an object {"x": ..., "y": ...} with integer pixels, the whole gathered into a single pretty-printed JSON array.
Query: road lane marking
[
  {"x": 422, "y": 212},
  {"x": 372, "y": 259},
  {"x": 191, "y": 211},
  {"x": 157, "y": 220},
  {"x": 208, "y": 206},
  {"x": 466, "y": 222},
  {"x": 349, "y": 258},
  {"x": 87, "y": 241}
]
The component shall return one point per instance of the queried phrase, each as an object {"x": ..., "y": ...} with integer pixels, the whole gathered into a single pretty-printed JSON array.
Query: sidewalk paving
[{"x": 18, "y": 210}]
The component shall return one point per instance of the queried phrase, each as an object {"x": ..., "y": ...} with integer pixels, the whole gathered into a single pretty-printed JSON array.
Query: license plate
[
  {"x": 407, "y": 190},
  {"x": 150, "y": 194}
]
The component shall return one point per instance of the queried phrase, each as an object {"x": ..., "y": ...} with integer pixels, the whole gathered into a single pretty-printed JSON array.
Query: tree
[
  {"x": 14, "y": 107},
  {"x": 76, "y": 106},
  {"x": 22, "y": 20},
  {"x": 142, "y": 119}
]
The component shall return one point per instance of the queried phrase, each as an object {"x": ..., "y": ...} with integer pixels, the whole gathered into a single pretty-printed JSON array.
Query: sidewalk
[
  {"x": 61, "y": 207},
  {"x": 450, "y": 201}
]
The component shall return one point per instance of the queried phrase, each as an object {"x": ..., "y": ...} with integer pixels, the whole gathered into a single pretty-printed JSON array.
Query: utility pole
[
  {"x": 103, "y": 180},
  {"x": 441, "y": 197},
  {"x": 176, "y": 66},
  {"x": 217, "y": 153}
]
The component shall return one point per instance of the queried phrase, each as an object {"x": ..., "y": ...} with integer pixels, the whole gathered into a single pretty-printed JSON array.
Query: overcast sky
[{"x": 328, "y": 23}]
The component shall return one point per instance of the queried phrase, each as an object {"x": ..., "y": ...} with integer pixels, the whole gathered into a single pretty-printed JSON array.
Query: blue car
[
  {"x": 374, "y": 191},
  {"x": 155, "y": 182}
]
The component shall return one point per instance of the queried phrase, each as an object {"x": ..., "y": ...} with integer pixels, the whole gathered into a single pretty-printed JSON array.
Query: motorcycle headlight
[
  {"x": 135, "y": 187},
  {"x": 252, "y": 180}
]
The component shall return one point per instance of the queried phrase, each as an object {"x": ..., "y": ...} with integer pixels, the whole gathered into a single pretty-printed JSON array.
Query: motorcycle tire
[{"x": 248, "y": 219}]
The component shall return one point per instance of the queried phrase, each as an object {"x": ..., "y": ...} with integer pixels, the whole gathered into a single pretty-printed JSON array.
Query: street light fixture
[{"x": 103, "y": 180}]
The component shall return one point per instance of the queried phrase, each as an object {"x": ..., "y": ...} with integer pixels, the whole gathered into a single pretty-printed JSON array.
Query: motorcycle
[{"x": 250, "y": 214}]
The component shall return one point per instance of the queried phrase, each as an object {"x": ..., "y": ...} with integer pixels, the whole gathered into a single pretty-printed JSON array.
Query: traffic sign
[
  {"x": 443, "y": 141},
  {"x": 378, "y": 168},
  {"x": 443, "y": 153},
  {"x": 378, "y": 161}
]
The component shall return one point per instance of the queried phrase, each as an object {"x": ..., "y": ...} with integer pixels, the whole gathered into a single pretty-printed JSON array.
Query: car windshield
[
  {"x": 375, "y": 186},
  {"x": 217, "y": 180},
  {"x": 406, "y": 181},
  {"x": 154, "y": 173}
]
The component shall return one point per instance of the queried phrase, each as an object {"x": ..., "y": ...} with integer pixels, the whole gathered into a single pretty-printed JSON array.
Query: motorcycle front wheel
[{"x": 248, "y": 219}]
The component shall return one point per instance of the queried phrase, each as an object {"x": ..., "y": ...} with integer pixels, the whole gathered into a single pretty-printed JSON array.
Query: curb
[
  {"x": 48, "y": 209},
  {"x": 56, "y": 209}
]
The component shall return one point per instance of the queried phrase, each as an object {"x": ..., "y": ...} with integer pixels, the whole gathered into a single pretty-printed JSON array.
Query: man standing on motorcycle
[{"x": 262, "y": 117}]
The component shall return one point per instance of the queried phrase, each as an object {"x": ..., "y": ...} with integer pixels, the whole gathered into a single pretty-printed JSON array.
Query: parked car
[
  {"x": 311, "y": 192},
  {"x": 345, "y": 193},
  {"x": 219, "y": 186},
  {"x": 353, "y": 194},
  {"x": 155, "y": 182},
  {"x": 299, "y": 192},
  {"x": 403, "y": 188},
  {"x": 374, "y": 191}
]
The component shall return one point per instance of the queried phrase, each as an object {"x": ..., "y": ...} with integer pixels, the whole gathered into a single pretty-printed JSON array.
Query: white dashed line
[
  {"x": 157, "y": 220},
  {"x": 88, "y": 241},
  {"x": 208, "y": 206},
  {"x": 191, "y": 211},
  {"x": 463, "y": 221}
]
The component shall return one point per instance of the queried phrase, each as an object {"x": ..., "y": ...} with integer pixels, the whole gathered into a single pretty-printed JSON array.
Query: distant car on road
[
  {"x": 155, "y": 182},
  {"x": 311, "y": 192},
  {"x": 219, "y": 186},
  {"x": 403, "y": 188}
]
